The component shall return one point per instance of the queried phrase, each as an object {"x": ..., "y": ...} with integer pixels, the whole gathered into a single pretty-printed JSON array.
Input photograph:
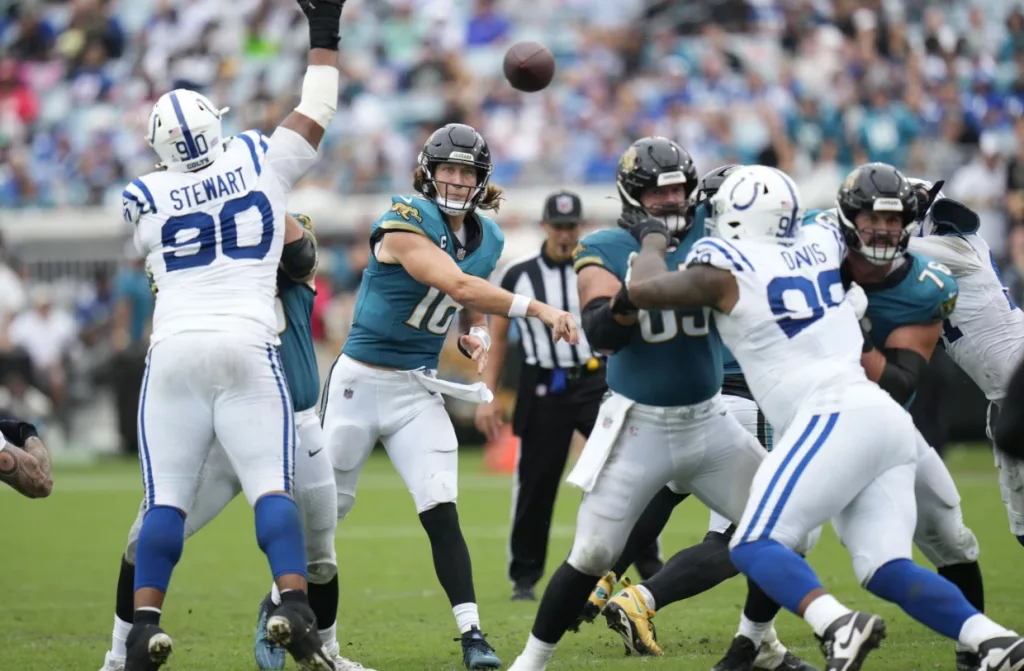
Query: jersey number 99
[
  {"x": 817, "y": 295},
  {"x": 200, "y": 248}
]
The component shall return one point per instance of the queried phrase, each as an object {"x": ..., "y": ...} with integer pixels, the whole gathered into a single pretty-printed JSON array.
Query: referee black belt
[{"x": 558, "y": 379}]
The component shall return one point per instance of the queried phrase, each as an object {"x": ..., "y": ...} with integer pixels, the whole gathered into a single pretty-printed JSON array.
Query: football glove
[
  {"x": 17, "y": 432},
  {"x": 640, "y": 225},
  {"x": 857, "y": 299}
]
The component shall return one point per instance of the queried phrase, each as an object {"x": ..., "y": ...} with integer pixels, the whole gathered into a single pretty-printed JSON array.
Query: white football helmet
[
  {"x": 185, "y": 130},
  {"x": 756, "y": 202}
]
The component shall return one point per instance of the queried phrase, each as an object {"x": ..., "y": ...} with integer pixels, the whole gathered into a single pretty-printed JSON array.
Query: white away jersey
[
  {"x": 985, "y": 333},
  {"x": 213, "y": 238},
  {"x": 796, "y": 339}
]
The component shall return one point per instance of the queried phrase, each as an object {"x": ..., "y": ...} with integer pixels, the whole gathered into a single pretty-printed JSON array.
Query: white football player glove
[{"x": 856, "y": 297}]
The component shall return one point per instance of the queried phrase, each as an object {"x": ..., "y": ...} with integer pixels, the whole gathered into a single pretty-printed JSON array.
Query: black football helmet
[
  {"x": 709, "y": 185},
  {"x": 455, "y": 143},
  {"x": 649, "y": 163},
  {"x": 877, "y": 187}
]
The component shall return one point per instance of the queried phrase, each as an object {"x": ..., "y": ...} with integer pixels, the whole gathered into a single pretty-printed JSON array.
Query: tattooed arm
[{"x": 27, "y": 469}]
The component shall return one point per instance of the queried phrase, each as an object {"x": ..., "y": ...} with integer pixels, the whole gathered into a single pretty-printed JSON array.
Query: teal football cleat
[
  {"x": 268, "y": 656},
  {"x": 477, "y": 653}
]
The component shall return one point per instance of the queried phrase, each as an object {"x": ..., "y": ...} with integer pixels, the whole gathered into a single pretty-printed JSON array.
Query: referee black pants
[{"x": 545, "y": 424}]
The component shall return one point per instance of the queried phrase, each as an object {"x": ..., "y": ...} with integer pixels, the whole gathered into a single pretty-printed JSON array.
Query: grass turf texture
[{"x": 59, "y": 560}]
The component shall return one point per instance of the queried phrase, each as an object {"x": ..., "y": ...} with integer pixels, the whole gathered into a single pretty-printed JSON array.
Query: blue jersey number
[
  {"x": 435, "y": 312},
  {"x": 198, "y": 246},
  {"x": 817, "y": 296}
]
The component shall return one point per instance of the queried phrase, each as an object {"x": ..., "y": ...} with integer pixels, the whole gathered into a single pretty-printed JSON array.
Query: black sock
[
  {"x": 294, "y": 596},
  {"x": 125, "y": 607},
  {"x": 694, "y": 570},
  {"x": 562, "y": 602},
  {"x": 967, "y": 577},
  {"x": 451, "y": 556},
  {"x": 759, "y": 606},
  {"x": 1020, "y": 539},
  {"x": 646, "y": 531},
  {"x": 323, "y": 599}
]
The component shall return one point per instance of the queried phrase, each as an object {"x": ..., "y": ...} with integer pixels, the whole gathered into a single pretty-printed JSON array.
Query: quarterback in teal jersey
[
  {"x": 218, "y": 483},
  {"x": 908, "y": 298},
  {"x": 665, "y": 375},
  {"x": 432, "y": 253}
]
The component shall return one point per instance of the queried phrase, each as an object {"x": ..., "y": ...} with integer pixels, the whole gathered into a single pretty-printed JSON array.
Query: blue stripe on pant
[
  {"x": 776, "y": 477},
  {"x": 773, "y": 519},
  {"x": 144, "y": 458},
  {"x": 288, "y": 427}
]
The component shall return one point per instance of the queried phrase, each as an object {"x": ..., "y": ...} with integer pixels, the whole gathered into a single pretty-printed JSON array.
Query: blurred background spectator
[{"x": 812, "y": 86}]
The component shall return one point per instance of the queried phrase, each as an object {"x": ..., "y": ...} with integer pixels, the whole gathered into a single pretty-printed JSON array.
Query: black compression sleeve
[
  {"x": 603, "y": 332},
  {"x": 903, "y": 369},
  {"x": 298, "y": 259}
]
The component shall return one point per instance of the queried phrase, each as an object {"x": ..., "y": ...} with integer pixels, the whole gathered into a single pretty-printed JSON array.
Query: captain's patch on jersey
[{"x": 407, "y": 212}]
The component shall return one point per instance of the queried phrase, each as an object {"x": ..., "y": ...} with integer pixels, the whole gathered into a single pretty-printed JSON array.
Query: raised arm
[
  {"x": 427, "y": 264},
  {"x": 652, "y": 286}
]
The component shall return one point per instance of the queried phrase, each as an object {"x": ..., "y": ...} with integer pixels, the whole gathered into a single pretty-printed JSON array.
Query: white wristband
[
  {"x": 520, "y": 305},
  {"x": 481, "y": 333}
]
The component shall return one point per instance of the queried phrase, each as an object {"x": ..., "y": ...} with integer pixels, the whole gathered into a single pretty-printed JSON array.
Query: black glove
[
  {"x": 17, "y": 432},
  {"x": 869, "y": 344},
  {"x": 953, "y": 215},
  {"x": 640, "y": 225},
  {"x": 925, "y": 197},
  {"x": 324, "y": 20}
]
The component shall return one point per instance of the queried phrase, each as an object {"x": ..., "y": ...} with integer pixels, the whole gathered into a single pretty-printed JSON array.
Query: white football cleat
[{"x": 111, "y": 663}]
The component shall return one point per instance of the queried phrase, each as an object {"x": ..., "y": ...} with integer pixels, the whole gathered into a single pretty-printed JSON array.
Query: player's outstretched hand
[
  {"x": 640, "y": 225},
  {"x": 477, "y": 351},
  {"x": 562, "y": 324}
]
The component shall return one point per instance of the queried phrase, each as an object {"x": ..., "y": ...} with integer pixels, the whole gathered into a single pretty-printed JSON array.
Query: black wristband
[
  {"x": 324, "y": 24},
  {"x": 621, "y": 305}
]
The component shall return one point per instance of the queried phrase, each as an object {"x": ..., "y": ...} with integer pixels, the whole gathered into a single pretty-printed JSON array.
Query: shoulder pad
[
  {"x": 414, "y": 215},
  {"x": 609, "y": 248},
  {"x": 136, "y": 200},
  {"x": 936, "y": 286},
  {"x": 719, "y": 253},
  {"x": 491, "y": 230},
  {"x": 258, "y": 147}
]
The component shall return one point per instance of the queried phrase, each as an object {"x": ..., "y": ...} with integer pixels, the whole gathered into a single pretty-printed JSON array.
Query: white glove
[{"x": 856, "y": 297}]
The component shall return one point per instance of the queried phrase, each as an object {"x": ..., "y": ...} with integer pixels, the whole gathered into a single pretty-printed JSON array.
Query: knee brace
[{"x": 319, "y": 520}]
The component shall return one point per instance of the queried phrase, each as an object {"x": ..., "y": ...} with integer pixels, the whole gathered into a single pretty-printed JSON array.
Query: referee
[{"x": 560, "y": 391}]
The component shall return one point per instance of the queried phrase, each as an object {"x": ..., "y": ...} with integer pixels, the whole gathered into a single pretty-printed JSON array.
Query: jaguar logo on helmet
[{"x": 628, "y": 160}]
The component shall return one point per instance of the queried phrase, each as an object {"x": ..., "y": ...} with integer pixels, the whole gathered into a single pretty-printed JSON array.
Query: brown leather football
[{"x": 529, "y": 66}]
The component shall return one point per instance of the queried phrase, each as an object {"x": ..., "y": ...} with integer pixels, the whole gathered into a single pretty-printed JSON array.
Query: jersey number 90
[{"x": 190, "y": 240}]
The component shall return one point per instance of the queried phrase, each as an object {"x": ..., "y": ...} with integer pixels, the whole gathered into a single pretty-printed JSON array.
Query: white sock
[
  {"x": 329, "y": 636},
  {"x": 648, "y": 597},
  {"x": 977, "y": 628},
  {"x": 275, "y": 594},
  {"x": 467, "y": 616},
  {"x": 117, "y": 645},
  {"x": 823, "y": 611},
  {"x": 537, "y": 652},
  {"x": 755, "y": 631}
]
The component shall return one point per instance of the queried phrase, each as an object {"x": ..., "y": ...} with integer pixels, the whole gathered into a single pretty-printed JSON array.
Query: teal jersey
[
  {"x": 674, "y": 357},
  {"x": 297, "y": 355},
  {"x": 729, "y": 364},
  {"x": 921, "y": 291},
  {"x": 399, "y": 322}
]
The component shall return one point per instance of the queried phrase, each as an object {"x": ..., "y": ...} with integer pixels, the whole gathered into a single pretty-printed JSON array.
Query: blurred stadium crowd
[{"x": 812, "y": 86}]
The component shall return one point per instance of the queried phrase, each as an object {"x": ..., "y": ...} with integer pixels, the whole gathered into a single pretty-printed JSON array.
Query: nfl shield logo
[
  {"x": 461, "y": 254},
  {"x": 347, "y": 393},
  {"x": 563, "y": 204}
]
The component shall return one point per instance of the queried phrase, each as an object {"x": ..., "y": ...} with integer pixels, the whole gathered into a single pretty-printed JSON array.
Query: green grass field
[{"x": 59, "y": 560}]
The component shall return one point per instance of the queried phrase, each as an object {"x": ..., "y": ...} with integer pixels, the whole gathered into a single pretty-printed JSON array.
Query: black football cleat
[
  {"x": 849, "y": 639},
  {"x": 293, "y": 627},
  {"x": 148, "y": 648}
]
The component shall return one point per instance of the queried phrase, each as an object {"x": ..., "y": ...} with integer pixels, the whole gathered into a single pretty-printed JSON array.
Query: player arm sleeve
[
  {"x": 299, "y": 258},
  {"x": 290, "y": 156},
  {"x": 604, "y": 333},
  {"x": 950, "y": 250},
  {"x": 902, "y": 372}
]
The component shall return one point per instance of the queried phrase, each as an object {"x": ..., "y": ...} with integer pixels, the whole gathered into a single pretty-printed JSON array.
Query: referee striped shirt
[{"x": 554, "y": 283}]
